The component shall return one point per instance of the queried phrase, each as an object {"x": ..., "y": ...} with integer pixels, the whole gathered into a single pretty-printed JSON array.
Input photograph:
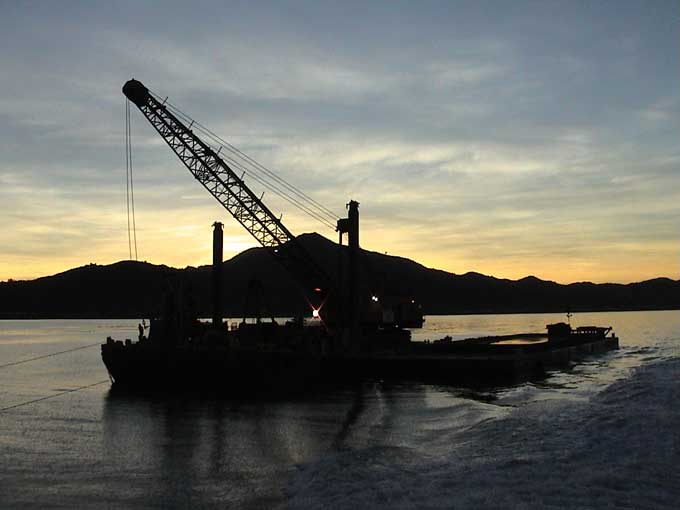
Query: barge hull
[{"x": 141, "y": 367}]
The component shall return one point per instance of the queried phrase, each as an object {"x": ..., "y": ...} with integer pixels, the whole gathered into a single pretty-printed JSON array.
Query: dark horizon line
[{"x": 18, "y": 316}]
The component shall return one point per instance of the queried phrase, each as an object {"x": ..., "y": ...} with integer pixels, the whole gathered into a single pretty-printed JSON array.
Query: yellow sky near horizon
[{"x": 190, "y": 245}]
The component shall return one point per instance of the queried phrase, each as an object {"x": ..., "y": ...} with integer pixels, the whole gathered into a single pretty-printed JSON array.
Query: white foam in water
[{"x": 619, "y": 448}]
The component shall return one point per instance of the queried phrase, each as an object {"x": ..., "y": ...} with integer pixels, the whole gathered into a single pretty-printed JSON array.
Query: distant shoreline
[
  {"x": 29, "y": 316},
  {"x": 130, "y": 289}
]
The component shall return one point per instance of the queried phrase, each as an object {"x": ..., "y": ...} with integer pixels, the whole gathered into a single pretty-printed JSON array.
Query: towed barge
[
  {"x": 269, "y": 358},
  {"x": 494, "y": 359},
  {"x": 355, "y": 334}
]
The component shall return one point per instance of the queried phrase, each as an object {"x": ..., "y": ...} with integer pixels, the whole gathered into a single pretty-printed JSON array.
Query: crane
[{"x": 206, "y": 165}]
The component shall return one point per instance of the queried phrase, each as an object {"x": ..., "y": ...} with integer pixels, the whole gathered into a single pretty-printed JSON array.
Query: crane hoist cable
[
  {"x": 129, "y": 182},
  {"x": 127, "y": 174},
  {"x": 259, "y": 172},
  {"x": 281, "y": 188},
  {"x": 283, "y": 194},
  {"x": 280, "y": 192},
  {"x": 250, "y": 161}
]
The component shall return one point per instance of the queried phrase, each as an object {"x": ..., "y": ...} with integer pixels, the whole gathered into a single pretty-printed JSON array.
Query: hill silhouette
[{"x": 135, "y": 289}]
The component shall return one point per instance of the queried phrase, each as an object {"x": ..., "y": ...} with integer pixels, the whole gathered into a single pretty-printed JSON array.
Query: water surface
[{"x": 604, "y": 433}]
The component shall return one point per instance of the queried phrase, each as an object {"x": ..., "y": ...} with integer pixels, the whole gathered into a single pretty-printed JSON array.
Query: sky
[{"x": 506, "y": 138}]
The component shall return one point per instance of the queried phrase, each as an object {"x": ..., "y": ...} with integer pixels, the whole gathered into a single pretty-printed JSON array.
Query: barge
[
  {"x": 355, "y": 333},
  {"x": 269, "y": 358}
]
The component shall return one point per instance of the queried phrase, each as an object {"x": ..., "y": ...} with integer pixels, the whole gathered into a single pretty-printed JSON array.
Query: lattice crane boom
[
  {"x": 210, "y": 170},
  {"x": 229, "y": 189}
]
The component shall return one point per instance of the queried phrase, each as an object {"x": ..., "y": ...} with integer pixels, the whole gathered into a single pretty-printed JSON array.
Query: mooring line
[
  {"x": 52, "y": 396},
  {"x": 49, "y": 355}
]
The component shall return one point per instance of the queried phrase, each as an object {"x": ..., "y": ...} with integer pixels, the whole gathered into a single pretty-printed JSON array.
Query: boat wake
[{"x": 616, "y": 448}]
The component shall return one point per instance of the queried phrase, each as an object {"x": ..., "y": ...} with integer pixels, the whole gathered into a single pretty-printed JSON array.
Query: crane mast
[{"x": 232, "y": 192}]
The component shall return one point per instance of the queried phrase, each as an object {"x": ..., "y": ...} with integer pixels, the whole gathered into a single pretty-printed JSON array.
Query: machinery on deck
[
  {"x": 363, "y": 337},
  {"x": 341, "y": 303}
]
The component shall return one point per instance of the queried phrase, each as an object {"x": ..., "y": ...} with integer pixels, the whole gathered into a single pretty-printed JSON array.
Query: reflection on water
[
  {"x": 183, "y": 450},
  {"x": 189, "y": 450}
]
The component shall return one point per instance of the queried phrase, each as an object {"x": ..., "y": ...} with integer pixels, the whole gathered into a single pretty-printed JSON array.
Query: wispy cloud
[{"x": 540, "y": 139}]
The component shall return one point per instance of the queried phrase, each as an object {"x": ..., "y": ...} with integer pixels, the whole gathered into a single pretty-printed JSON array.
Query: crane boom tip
[{"x": 136, "y": 92}]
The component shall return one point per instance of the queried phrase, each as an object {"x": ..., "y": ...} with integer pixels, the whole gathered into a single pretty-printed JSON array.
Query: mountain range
[{"x": 136, "y": 289}]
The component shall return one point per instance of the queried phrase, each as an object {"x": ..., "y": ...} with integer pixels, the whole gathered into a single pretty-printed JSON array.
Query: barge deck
[{"x": 260, "y": 367}]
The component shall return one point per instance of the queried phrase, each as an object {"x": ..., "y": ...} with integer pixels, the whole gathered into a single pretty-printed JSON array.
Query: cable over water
[
  {"x": 20, "y": 362},
  {"x": 72, "y": 390}
]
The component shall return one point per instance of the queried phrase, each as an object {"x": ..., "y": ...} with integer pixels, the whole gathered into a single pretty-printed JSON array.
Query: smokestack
[
  {"x": 217, "y": 274},
  {"x": 354, "y": 276}
]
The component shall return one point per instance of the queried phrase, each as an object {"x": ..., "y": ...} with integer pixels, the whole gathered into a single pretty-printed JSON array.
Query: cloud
[{"x": 506, "y": 143}]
